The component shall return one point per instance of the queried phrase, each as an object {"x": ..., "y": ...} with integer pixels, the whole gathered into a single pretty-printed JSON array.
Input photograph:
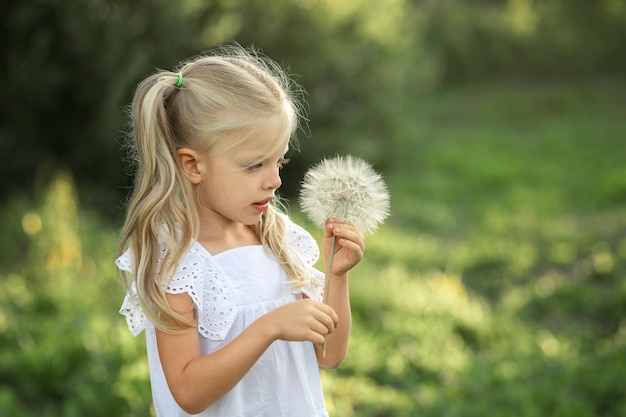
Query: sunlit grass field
[{"x": 496, "y": 288}]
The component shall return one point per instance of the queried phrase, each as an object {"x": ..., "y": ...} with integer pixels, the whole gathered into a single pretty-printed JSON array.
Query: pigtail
[{"x": 159, "y": 222}]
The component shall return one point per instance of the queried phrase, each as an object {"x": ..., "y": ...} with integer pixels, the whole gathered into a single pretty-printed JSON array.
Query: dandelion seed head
[{"x": 347, "y": 188}]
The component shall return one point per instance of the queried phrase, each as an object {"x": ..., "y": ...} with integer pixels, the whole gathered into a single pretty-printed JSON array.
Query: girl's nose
[{"x": 273, "y": 180}]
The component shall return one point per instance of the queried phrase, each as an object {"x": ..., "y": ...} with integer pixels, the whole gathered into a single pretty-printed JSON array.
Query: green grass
[
  {"x": 551, "y": 149},
  {"x": 496, "y": 288}
]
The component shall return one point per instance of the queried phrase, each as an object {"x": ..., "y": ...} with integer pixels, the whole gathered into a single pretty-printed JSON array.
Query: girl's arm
[
  {"x": 196, "y": 380},
  {"x": 349, "y": 250}
]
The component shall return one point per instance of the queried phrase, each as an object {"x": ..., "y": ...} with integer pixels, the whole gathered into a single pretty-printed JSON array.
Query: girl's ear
[{"x": 190, "y": 164}]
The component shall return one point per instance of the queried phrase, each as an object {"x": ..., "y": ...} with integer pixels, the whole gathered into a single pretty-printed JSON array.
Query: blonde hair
[{"x": 225, "y": 92}]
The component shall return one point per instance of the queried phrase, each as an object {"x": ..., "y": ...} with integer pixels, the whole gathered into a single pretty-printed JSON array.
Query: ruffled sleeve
[
  {"x": 197, "y": 276},
  {"x": 305, "y": 246},
  {"x": 130, "y": 309}
]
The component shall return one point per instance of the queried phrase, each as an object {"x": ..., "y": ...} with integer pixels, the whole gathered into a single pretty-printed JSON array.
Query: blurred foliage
[
  {"x": 63, "y": 350},
  {"x": 496, "y": 288},
  {"x": 71, "y": 65}
]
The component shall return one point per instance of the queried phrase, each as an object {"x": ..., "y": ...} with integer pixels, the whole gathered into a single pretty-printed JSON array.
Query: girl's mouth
[{"x": 262, "y": 206}]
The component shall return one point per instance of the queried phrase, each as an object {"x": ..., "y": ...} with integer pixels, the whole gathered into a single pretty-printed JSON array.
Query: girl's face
[{"x": 239, "y": 183}]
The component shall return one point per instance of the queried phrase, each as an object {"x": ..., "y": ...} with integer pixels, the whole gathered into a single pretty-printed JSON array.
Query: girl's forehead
[
  {"x": 256, "y": 144},
  {"x": 262, "y": 150}
]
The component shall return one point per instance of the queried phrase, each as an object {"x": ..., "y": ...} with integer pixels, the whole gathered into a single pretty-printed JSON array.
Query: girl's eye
[
  {"x": 282, "y": 162},
  {"x": 256, "y": 166}
]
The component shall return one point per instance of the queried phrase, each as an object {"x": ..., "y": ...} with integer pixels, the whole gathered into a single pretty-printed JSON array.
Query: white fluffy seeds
[{"x": 347, "y": 188}]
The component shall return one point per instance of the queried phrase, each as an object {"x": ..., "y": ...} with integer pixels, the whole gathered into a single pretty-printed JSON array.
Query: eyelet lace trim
[{"x": 198, "y": 276}]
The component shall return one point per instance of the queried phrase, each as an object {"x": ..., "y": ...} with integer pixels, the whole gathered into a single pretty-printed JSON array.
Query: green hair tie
[{"x": 180, "y": 79}]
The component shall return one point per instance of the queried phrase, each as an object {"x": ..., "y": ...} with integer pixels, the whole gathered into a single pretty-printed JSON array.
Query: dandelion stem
[
  {"x": 330, "y": 269},
  {"x": 327, "y": 289}
]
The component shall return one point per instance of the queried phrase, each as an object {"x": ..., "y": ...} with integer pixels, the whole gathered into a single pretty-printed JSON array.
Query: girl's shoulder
[{"x": 198, "y": 276}]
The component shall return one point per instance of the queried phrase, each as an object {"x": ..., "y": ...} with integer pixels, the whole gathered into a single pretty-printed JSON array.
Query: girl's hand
[
  {"x": 303, "y": 320},
  {"x": 349, "y": 248}
]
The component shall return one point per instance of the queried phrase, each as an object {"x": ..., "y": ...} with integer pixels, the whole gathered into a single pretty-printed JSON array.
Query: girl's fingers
[
  {"x": 305, "y": 320},
  {"x": 351, "y": 240},
  {"x": 348, "y": 232},
  {"x": 352, "y": 247},
  {"x": 321, "y": 329},
  {"x": 327, "y": 317}
]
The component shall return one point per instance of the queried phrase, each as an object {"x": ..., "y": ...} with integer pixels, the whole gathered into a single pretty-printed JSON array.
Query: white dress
[{"x": 231, "y": 290}]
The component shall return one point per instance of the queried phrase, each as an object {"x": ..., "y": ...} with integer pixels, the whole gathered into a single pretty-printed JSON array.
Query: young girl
[{"x": 220, "y": 280}]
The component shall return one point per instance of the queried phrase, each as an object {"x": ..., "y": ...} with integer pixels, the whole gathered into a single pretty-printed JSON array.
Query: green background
[{"x": 496, "y": 287}]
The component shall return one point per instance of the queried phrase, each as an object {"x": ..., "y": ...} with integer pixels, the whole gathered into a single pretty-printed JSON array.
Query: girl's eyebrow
[
  {"x": 253, "y": 155},
  {"x": 263, "y": 157}
]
